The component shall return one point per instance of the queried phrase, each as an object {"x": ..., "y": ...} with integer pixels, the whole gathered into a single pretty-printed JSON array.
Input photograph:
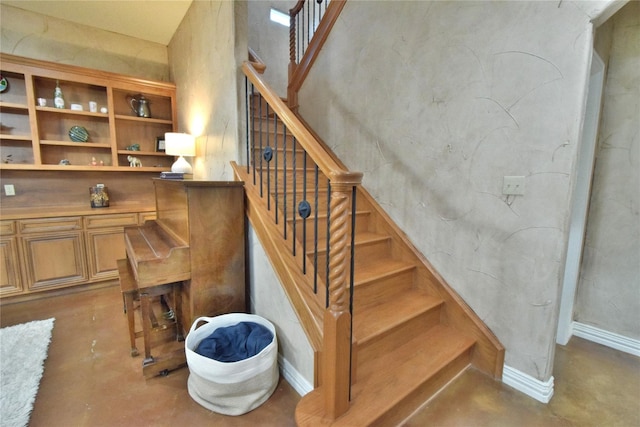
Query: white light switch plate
[
  {"x": 9, "y": 190},
  {"x": 513, "y": 185}
]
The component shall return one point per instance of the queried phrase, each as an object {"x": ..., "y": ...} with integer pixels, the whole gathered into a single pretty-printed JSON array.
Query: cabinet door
[
  {"x": 105, "y": 243},
  {"x": 10, "y": 280},
  {"x": 54, "y": 259},
  {"x": 106, "y": 247}
]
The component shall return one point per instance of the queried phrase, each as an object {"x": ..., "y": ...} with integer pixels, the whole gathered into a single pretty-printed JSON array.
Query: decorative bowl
[{"x": 78, "y": 134}]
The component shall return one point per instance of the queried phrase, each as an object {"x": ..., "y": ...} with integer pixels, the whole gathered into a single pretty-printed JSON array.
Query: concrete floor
[{"x": 90, "y": 380}]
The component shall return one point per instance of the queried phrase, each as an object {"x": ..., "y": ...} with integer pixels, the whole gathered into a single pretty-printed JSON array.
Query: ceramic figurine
[
  {"x": 133, "y": 147},
  {"x": 134, "y": 162}
]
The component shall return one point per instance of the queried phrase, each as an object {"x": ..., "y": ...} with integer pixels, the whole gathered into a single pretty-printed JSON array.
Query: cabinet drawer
[
  {"x": 113, "y": 220},
  {"x": 50, "y": 224},
  {"x": 7, "y": 228}
]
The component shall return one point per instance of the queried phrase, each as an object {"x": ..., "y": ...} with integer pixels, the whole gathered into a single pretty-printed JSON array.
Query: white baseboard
[
  {"x": 606, "y": 338},
  {"x": 532, "y": 387},
  {"x": 293, "y": 377}
]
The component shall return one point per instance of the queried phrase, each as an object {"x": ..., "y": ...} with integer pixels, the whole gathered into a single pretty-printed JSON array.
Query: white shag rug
[{"x": 23, "y": 350}]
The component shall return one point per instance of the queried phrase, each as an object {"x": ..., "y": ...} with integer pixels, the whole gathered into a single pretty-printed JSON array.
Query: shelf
[
  {"x": 75, "y": 144},
  {"x": 143, "y": 119},
  {"x": 144, "y": 153},
  {"x": 79, "y": 168},
  {"x": 13, "y": 106},
  {"x": 72, "y": 112},
  {"x": 34, "y": 137},
  {"x": 9, "y": 137}
]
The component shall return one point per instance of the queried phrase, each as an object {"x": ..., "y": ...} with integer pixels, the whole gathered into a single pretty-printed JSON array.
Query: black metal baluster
[
  {"x": 304, "y": 220},
  {"x": 315, "y": 236},
  {"x": 300, "y": 39},
  {"x": 295, "y": 175},
  {"x": 284, "y": 154},
  {"x": 352, "y": 275},
  {"x": 260, "y": 138},
  {"x": 308, "y": 26},
  {"x": 275, "y": 168},
  {"x": 353, "y": 246},
  {"x": 267, "y": 158},
  {"x": 328, "y": 236},
  {"x": 248, "y": 99}
]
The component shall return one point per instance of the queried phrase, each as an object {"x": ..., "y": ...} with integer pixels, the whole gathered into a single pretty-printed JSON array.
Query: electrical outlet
[
  {"x": 513, "y": 185},
  {"x": 9, "y": 190}
]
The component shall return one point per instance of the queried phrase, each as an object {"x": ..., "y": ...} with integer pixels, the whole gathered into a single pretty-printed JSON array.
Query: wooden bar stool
[
  {"x": 129, "y": 290},
  {"x": 168, "y": 294}
]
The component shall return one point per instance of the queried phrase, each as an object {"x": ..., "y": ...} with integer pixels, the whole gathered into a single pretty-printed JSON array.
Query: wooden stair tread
[
  {"x": 323, "y": 215},
  {"x": 377, "y": 317},
  {"x": 426, "y": 353},
  {"x": 401, "y": 371},
  {"x": 385, "y": 382},
  {"x": 370, "y": 270},
  {"x": 361, "y": 238}
]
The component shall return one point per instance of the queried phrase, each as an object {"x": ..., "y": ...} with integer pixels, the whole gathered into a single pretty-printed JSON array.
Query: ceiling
[{"x": 151, "y": 20}]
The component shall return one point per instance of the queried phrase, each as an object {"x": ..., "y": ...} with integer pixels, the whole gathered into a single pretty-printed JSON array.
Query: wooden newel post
[
  {"x": 292, "y": 94},
  {"x": 337, "y": 318}
]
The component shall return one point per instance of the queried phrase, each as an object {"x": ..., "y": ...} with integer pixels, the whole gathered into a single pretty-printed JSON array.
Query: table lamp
[{"x": 180, "y": 144}]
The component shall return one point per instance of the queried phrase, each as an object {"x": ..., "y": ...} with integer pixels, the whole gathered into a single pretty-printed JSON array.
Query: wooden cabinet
[
  {"x": 46, "y": 253},
  {"x": 54, "y": 260},
  {"x": 35, "y": 136},
  {"x": 105, "y": 243},
  {"x": 10, "y": 277}
]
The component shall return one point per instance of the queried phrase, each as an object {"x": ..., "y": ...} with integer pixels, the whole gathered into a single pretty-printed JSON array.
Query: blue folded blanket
[{"x": 234, "y": 343}]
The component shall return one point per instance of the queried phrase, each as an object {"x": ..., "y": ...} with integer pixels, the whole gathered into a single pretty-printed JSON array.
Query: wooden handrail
[
  {"x": 257, "y": 62},
  {"x": 325, "y": 162},
  {"x": 336, "y": 334}
]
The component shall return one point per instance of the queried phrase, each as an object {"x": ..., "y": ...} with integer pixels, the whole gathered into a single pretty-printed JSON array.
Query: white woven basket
[{"x": 231, "y": 388}]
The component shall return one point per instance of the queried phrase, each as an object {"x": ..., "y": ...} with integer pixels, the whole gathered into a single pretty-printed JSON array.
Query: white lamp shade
[{"x": 180, "y": 144}]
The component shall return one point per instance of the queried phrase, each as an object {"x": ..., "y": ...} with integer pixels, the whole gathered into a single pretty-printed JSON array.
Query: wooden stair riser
[
  {"x": 284, "y": 159},
  {"x": 429, "y": 388},
  {"x": 383, "y": 288},
  {"x": 370, "y": 347},
  {"x": 392, "y": 388},
  {"x": 259, "y": 104},
  {"x": 274, "y": 136},
  {"x": 298, "y": 197},
  {"x": 363, "y": 251},
  {"x": 370, "y": 250},
  {"x": 278, "y": 179},
  {"x": 362, "y": 225}
]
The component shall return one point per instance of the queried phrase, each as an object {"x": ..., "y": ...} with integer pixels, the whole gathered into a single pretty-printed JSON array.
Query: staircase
[
  {"x": 387, "y": 330},
  {"x": 411, "y": 334}
]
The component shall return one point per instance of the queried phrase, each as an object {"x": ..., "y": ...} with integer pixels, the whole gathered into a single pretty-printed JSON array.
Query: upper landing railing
[{"x": 310, "y": 24}]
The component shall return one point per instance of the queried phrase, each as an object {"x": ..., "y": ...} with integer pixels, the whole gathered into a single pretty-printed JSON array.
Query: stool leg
[
  {"x": 145, "y": 307},
  {"x": 177, "y": 298},
  {"x": 128, "y": 304}
]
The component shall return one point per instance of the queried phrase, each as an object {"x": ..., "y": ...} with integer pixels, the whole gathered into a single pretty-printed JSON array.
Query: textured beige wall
[
  {"x": 37, "y": 36},
  {"x": 204, "y": 67},
  {"x": 609, "y": 289},
  {"x": 205, "y": 56},
  {"x": 440, "y": 100},
  {"x": 271, "y": 41}
]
